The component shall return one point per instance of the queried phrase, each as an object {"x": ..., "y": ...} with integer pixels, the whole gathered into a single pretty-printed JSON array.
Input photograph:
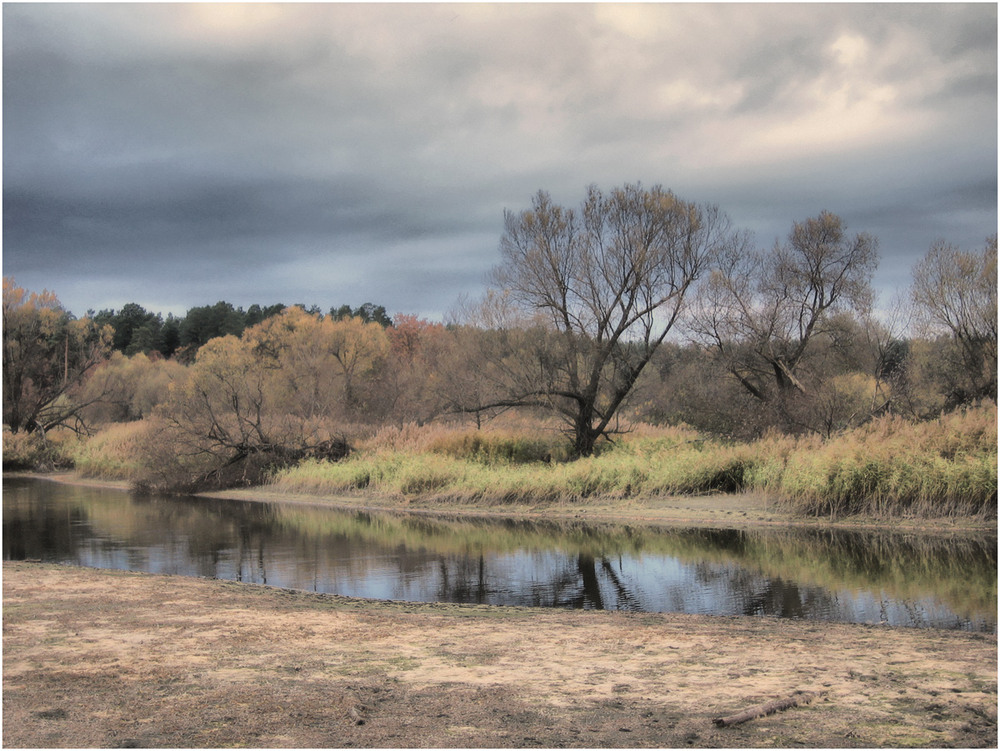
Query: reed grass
[
  {"x": 114, "y": 453},
  {"x": 890, "y": 467},
  {"x": 939, "y": 468}
]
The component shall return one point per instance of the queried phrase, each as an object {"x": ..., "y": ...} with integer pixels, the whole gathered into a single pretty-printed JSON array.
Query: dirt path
[{"x": 116, "y": 659}]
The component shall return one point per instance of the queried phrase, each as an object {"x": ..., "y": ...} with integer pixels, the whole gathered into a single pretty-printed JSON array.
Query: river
[{"x": 895, "y": 579}]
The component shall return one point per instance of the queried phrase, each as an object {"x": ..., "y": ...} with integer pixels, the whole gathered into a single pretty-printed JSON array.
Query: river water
[{"x": 861, "y": 577}]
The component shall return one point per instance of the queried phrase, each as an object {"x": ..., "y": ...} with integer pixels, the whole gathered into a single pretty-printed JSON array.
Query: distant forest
[
  {"x": 137, "y": 330},
  {"x": 635, "y": 308}
]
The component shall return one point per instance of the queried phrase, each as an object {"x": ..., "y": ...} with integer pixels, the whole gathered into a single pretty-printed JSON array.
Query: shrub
[{"x": 34, "y": 451}]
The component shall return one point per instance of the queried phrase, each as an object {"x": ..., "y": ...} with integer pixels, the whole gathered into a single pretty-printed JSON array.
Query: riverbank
[
  {"x": 119, "y": 659},
  {"x": 719, "y": 510},
  {"x": 888, "y": 470}
]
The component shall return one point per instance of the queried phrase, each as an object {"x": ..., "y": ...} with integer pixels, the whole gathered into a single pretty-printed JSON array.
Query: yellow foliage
[{"x": 45, "y": 353}]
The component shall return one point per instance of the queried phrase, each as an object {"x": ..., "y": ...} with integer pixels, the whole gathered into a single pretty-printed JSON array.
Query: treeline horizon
[
  {"x": 137, "y": 330},
  {"x": 636, "y": 307}
]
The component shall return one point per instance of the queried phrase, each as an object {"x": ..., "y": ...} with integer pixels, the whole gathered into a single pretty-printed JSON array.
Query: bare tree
[
  {"x": 602, "y": 288},
  {"x": 955, "y": 293},
  {"x": 885, "y": 344},
  {"x": 762, "y": 311}
]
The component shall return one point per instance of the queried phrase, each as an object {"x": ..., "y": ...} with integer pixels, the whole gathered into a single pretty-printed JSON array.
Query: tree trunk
[
  {"x": 584, "y": 436},
  {"x": 800, "y": 698}
]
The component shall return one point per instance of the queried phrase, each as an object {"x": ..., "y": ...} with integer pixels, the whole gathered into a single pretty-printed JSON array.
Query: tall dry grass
[
  {"x": 114, "y": 453},
  {"x": 37, "y": 452},
  {"x": 891, "y": 467}
]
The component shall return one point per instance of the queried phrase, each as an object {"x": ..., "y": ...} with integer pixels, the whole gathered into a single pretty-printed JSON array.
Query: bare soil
[{"x": 117, "y": 659}]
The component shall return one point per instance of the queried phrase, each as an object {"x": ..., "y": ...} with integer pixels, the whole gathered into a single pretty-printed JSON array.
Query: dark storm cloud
[{"x": 179, "y": 154}]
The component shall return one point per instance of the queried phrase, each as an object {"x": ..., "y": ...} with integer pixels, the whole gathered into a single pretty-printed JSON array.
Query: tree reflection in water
[{"x": 900, "y": 579}]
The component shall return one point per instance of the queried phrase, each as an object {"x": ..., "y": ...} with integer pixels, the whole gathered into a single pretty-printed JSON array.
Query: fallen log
[{"x": 799, "y": 698}]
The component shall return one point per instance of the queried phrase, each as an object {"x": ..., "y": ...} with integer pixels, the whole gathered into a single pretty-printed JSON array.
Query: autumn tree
[
  {"x": 46, "y": 353},
  {"x": 955, "y": 295},
  {"x": 763, "y": 312},
  {"x": 414, "y": 383},
  {"x": 222, "y": 425},
  {"x": 439, "y": 371},
  {"x": 293, "y": 348},
  {"x": 602, "y": 286},
  {"x": 123, "y": 389},
  {"x": 325, "y": 366},
  {"x": 217, "y": 422},
  {"x": 475, "y": 371},
  {"x": 280, "y": 392},
  {"x": 359, "y": 349}
]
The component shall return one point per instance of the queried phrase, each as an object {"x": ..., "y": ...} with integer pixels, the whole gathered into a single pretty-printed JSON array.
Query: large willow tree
[{"x": 602, "y": 286}]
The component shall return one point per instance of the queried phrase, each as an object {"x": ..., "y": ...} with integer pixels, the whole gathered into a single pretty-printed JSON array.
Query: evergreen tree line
[{"x": 137, "y": 330}]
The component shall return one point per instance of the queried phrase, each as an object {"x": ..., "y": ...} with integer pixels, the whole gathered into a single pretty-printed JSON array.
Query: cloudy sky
[{"x": 176, "y": 155}]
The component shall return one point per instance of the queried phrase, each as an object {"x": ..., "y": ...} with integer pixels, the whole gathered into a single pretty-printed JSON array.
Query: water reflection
[{"x": 898, "y": 579}]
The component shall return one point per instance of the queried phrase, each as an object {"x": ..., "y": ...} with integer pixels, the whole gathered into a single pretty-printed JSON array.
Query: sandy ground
[{"x": 116, "y": 659}]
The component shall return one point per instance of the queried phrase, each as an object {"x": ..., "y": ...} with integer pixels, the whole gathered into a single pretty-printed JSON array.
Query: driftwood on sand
[{"x": 799, "y": 698}]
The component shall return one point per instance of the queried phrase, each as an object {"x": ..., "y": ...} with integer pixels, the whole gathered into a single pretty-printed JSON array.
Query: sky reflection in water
[{"x": 896, "y": 579}]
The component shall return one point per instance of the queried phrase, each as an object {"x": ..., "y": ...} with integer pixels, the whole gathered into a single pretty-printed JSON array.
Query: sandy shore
[
  {"x": 115, "y": 659},
  {"x": 733, "y": 510}
]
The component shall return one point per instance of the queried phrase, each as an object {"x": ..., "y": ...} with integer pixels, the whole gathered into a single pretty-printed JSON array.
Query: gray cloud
[{"x": 179, "y": 154}]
